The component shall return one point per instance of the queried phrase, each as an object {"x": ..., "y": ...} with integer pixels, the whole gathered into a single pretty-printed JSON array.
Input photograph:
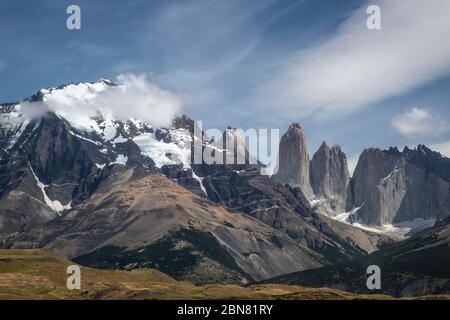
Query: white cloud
[
  {"x": 357, "y": 66},
  {"x": 417, "y": 122},
  {"x": 134, "y": 97}
]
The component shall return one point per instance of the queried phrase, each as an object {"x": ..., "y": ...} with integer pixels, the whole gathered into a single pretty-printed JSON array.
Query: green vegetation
[
  {"x": 415, "y": 266},
  {"x": 176, "y": 255},
  {"x": 277, "y": 241}
]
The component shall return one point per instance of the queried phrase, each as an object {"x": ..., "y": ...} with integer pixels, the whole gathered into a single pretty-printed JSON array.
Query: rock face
[
  {"x": 325, "y": 180},
  {"x": 388, "y": 187},
  {"x": 294, "y": 163},
  {"x": 45, "y": 170},
  {"x": 136, "y": 219},
  {"x": 392, "y": 186},
  {"x": 286, "y": 209},
  {"x": 331, "y": 180}
]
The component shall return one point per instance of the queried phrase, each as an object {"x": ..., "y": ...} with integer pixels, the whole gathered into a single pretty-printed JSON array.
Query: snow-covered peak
[
  {"x": 107, "y": 115},
  {"x": 75, "y": 91},
  {"x": 88, "y": 113}
]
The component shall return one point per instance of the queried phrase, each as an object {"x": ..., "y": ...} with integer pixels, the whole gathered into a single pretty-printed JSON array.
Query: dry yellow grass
[{"x": 40, "y": 274}]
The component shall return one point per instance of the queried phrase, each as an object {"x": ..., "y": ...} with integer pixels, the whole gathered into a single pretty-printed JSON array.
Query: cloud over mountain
[{"x": 134, "y": 97}]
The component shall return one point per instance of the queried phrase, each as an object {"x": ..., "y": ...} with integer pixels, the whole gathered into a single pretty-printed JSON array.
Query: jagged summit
[
  {"x": 389, "y": 187},
  {"x": 325, "y": 180},
  {"x": 393, "y": 187},
  {"x": 325, "y": 146},
  {"x": 294, "y": 163},
  {"x": 77, "y": 89},
  {"x": 106, "y": 81},
  {"x": 295, "y": 125},
  {"x": 330, "y": 180},
  {"x": 336, "y": 147}
]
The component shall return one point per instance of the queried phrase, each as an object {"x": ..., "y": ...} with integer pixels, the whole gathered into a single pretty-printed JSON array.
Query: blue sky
[{"x": 249, "y": 63}]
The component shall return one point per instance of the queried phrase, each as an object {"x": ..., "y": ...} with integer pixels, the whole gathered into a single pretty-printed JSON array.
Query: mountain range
[{"x": 122, "y": 194}]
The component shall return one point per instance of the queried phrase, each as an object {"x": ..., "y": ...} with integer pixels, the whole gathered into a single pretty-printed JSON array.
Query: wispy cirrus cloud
[
  {"x": 356, "y": 66},
  {"x": 419, "y": 123}
]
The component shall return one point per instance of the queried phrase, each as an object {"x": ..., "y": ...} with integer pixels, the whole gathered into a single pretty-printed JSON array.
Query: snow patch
[
  {"x": 100, "y": 166},
  {"x": 119, "y": 139},
  {"x": 317, "y": 201},
  {"x": 200, "y": 180},
  {"x": 121, "y": 159},
  {"x": 85, "y": 139},
  {"x": 266, "y": 209},
  {"x": 55, "y": 205},
  {"x": 176, "y": 152},
  {"x": 20, "y": 129},
  {"x": 398, "y": 230},
  {"x": 109, "y": 129},
  {"x": 390, "y": 174}
]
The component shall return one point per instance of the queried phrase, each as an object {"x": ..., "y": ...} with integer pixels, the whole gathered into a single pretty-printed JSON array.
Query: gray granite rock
[
  {"x": 294, "y": 163},
  {"x": 331, "y": 179}
]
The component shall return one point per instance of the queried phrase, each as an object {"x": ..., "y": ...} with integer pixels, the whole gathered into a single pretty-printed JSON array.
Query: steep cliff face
[
  {"x": 325, "y": 180},
  {"x": 392, "y": 186},
  {"x": 45, "y": 170},
  {"x": 331, "y": 180},
  {"x": 294, "y": 163},
  {"x": 388, "y": 187},
  {"x": 373, "y": 165}
]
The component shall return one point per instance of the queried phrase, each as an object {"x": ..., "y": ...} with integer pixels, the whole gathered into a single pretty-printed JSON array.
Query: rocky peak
[
  {"x": 324, "y": 147},
  {"x": 430, "y": 160},
  {"x": 336, "y": 148},
  {"x": 296, "y": 131},
  {"x": 331, "y": 179},
  {"x": 184, "y": 122},
  {"x": 295, "y": 125},
  {"x": 293, "y": 160},
  {"x": 392, "y": 186},
  {"x": 106, "y": 81},
  {"x": 393, "y": 151},
  {"x": 235, "y": 139}
]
